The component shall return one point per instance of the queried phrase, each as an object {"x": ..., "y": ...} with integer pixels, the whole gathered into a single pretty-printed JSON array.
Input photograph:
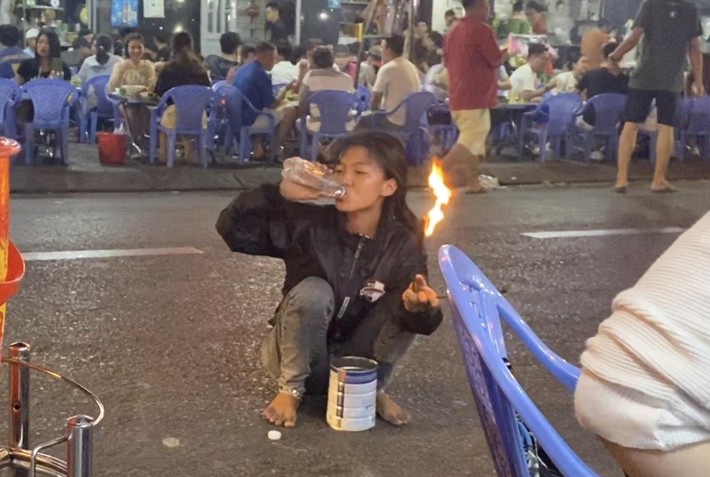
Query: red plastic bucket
[{"x": 112, "y": 148}]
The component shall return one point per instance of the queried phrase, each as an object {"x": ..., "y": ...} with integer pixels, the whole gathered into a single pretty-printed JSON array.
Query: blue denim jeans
[{"x": 296, "y": 351}]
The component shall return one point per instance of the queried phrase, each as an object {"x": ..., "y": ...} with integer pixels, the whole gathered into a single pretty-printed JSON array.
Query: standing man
[
  {"x": 274, "y": 23},
  {"x": 670, "y": 31},
  {"x": 472, "y": 59},
  {"x": 593, "y": 41}
]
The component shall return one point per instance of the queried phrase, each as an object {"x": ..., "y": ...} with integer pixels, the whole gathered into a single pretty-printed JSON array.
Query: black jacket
[{"x": 312, "y": 241}]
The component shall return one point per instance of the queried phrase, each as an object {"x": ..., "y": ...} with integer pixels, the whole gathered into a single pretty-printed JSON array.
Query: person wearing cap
[{"x": 31, "y": 42}]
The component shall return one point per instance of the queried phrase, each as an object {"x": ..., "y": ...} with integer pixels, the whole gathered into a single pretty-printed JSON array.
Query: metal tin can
[{"x": 352, "y": 394}]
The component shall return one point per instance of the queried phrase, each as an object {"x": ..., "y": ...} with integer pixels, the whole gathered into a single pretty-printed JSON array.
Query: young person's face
[
  {"x": 135, "y": 50},
  {"x": 366, "y": 186},
  {"x": 267, "y": 59},
  {"x": 387, "y": 54},
  {"x": 582, "y": 65},
  {"x": 271, "y": 14},
  {"x": 42, "y": 47},
  {"x": 537, "y": 62}
]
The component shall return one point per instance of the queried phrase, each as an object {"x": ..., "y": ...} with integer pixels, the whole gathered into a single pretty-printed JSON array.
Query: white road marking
[
  {"x": 130, "y": 252},
  {"x": 602, "y": 233}
]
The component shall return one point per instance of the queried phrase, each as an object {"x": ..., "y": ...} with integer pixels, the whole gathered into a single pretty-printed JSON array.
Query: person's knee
[{"x": 313, "y": 296}]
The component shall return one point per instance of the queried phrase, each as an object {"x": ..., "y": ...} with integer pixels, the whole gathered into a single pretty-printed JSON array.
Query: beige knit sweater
[{"x": 655, "y": 347}]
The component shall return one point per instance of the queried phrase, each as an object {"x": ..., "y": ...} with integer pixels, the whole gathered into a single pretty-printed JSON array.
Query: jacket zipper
[
  {"x": 357, "y": 256},
  {"x": 346, "y": 301}
]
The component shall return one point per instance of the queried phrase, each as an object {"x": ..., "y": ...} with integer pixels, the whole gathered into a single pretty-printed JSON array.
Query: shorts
[
  {"x": 263, "y": 122},
  {"x": 473, "y": 126},
  {"x": 640, "y": 101}
]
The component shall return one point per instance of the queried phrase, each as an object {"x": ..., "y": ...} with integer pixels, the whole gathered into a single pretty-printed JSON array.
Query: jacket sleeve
[
  {"x": 413, "y": 261},
  {"x": 262, "y": 222}
]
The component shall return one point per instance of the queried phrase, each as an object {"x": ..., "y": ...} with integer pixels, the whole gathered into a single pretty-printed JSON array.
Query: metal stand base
[{"x": 29, "y": 462}]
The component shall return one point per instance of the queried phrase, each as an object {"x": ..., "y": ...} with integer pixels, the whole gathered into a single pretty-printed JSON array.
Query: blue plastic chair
[
  {"x": 550, "y": 121},
  {"x": 608, "y": 109},
  {"x": 236, "y": 103},
  {"x": 477, "y": 308},
  {"x": 190, "y": 101},
  {"x": 444, "y": 136},
  {"x": 695, "y": 123},
  {"x": 52, "y": 101},
  {"x": 335, "y": 110},
  {"x": 217, "y": 85},
  {"x": 9, "y": 97},
  {"x": 217, "y": 125},
  {"x": 363, "y": 95},
  {"x": 103, "y": 109},
  {"x": 414, "y": 133}
]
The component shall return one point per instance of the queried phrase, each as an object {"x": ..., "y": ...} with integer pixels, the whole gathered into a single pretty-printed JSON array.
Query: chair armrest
[{"x": 564, "y": 372}]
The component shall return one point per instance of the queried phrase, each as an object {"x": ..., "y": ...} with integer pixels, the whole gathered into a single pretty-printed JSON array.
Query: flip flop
[{"x": 666, "y": 190}]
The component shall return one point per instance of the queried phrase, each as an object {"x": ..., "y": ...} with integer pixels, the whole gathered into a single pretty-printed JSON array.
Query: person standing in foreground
[
  {"x": 645, "y": 387},
  {"x": 472, "y": 59},
  {"x": 670, "y": 31},
  {"x": 355, "y": 272}
]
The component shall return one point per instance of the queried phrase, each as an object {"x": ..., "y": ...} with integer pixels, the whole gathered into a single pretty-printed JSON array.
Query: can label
[{"x": 352, "y": 394}]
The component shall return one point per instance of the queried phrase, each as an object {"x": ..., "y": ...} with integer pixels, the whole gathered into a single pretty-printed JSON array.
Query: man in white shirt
[
  {"x": 525, "y": 80},
  {"x": 284, "y": 72},
  {"x": 323, "y": 76},
  {"x": 397, "y": 79}
]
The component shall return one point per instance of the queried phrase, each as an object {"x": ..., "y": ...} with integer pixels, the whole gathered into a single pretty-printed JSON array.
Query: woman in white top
[
  {"x": 645, "y": 385},
  {"x": 102, "y": 62},
  {"x": 567, "y": 82}
]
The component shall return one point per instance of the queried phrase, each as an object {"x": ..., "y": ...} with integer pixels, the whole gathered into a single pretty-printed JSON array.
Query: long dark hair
[
  {"x": 128, "y": 39},
  {"x": 55, "y": 46},
  {"x": 104, "y": 46},
  {"x": 184, "y": 53},
  {"x": 388, "y": 152}
]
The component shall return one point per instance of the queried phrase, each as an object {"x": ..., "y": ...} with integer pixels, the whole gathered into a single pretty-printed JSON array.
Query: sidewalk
[{"x": 85, "y": 174}]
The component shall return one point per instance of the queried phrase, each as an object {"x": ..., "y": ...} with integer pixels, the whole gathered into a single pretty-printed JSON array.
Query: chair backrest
[
  {"x": 235, "y": 103},
  {"x": 560, "y": 109},
  {"x": 218, "y": 85},
  {"x": 51, "y": 99},
  {"x": 9, "y": 93},
  {"x": 698, "y": 115},
  {"x": 417, "y": 105},
  {"x": 363, "y": 95},
  {"x": 476, "y": 308},
  {"x": 97, "y": 85},
  {"x": 190, "y": 102},
  {"x": 608, "y": 108},
  {"x": 334, "y": 108}
]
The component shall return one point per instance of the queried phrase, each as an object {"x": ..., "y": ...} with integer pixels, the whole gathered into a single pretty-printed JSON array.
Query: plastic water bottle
[{"x": 315, "y": 176}]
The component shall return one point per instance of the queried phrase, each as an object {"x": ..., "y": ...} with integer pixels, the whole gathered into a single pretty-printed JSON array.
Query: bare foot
[
  {"x": 391, "y": 412},
  {"x": 282, "y": 410},
  {"x": 661, "y": 187}
]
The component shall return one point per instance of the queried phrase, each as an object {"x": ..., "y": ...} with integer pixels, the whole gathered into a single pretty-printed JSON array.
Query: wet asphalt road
[{"x": 171, "y": 342}]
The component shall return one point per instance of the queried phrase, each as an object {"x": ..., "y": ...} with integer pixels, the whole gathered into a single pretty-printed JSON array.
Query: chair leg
[
  {"x": 93, "y": 127},
  {"x": 82, "y": 128},
  {"x": 29, "y": 143},
  {"x": 315, "y": 147},
  {"x": 244, "y": 146},
  {"x": 171, "y": 148},
  {"x": 201, "y": 141},
  {"x": 153, "y": 139},
  {"x": 542, "y": 144},
  {"x": 63, "y": 137}
]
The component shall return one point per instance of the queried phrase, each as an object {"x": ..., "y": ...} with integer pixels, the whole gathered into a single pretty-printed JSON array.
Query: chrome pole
[
  {"x": 19, "y": 400},
  {"x": 80, "y": 430}
]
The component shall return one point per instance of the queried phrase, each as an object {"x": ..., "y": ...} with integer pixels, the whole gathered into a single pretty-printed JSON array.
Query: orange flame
[{"x": 442, "y": 194}]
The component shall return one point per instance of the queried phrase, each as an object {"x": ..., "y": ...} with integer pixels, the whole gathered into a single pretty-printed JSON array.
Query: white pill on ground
[{"x": 274, "y": 435}]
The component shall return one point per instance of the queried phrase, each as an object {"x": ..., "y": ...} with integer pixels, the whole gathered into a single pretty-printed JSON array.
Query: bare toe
[{"x": 392, "y": 412}]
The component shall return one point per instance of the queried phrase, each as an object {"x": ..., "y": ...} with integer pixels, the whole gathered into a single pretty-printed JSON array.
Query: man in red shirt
[{"x": 472, "y": 58}]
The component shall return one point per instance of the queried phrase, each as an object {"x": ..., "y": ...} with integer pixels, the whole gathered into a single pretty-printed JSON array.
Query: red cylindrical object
[{"x": 112, "y": 148}]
